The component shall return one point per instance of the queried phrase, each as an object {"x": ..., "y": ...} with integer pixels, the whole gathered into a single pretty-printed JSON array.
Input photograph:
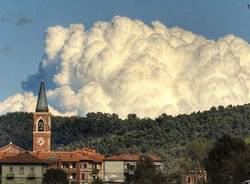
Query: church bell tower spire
[
  {"x": 42, "y": 123},
  {"x": 42, "y": 105}
]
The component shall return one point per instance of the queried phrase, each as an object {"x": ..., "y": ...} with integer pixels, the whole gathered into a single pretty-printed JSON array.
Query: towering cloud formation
[{"x": 125, "y": 66}]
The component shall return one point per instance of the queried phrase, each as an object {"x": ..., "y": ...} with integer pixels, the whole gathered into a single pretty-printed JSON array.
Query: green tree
[
  {"x": 98, "y": 181},
  {"x": 55, "y": 176},
  {"x": 74, "y": 182},
  {"x": 228, "y": 161},
  {"x": 146, "y": 173},
  {"x": 197, "y": 151},
  {"x": 173, "y": 179}
]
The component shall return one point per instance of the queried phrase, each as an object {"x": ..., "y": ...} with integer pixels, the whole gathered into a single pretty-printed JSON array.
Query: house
[
  {"x": 22, "y": 168},
  {"x": 83, "y": 166},
  {"x": 194, "y": 176},
  {"x": 117, "y": 166}
]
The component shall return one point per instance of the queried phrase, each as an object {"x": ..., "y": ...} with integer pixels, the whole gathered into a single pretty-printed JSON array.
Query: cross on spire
[{"x": 42, "y": 105}]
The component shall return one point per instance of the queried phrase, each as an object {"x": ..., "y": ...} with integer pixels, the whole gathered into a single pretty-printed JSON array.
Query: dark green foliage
[
  {"x": 74, "y": 182},
  {"x": 166, "y": 135},
  {"x": 195, "y": 153},
  {"x": 146, "y": 173},
  {"x": 98, "y": 181},
  {"x": 16, "y": 128},
  {"x": 228, "y": 161},
  {"x": 55, "y": 176},
  {"x": 173, "y": 179}
]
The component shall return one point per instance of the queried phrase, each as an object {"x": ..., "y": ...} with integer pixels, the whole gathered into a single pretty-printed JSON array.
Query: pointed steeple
[{"x": 42, "y": 105}]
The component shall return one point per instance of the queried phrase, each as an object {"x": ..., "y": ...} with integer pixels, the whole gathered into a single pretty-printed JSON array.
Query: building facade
[
  {"x": 118, "y": 166},
  {"x": 82, "y": 166},
  {"x": 22, "y": 168},
  {"x": 194, "y": 176}
]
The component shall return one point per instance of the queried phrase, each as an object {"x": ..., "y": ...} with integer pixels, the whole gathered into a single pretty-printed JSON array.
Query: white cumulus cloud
[
  {"x": 125, "y": 66},
  {"x": 25, "y": 102}
]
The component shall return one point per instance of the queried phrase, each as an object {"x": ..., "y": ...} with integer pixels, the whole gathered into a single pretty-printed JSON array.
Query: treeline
[{"x": 165, "y": 135}]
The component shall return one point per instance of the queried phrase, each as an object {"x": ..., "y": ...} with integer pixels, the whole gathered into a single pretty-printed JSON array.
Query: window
[
  {"x": 11, "y": 170},
  {"x": 189, "y": 179},
  {"x": 84, "y": 176},
  {"x": 65, "y": 165},
  {"x": 40, "y": 126},
  {"x": 32, "y": 170},
  {"x": 85, "y": 165},
  {"x": 74, "y": 165},
  {"x": 21, "y": 171},
  {"x": 98, "y": 166},
  {"x": 126, "y": 166},
  {"x": 131, "y": 167}
]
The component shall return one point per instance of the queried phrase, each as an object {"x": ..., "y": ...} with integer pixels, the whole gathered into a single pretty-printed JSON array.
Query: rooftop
[
  {"x": 21, "y": 158},
  {"x": 11, "y": 148},
  {"x": 73, "y": 156}
]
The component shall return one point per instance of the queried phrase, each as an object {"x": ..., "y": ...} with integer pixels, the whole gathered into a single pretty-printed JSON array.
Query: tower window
[{"x": 40, "y": 126}]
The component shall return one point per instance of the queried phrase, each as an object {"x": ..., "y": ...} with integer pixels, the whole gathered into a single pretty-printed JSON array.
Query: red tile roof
[
  {"x": 7, "y": 154},
  {"x": 84, "y": 154},
  {"x": 131, "y": 157},
  {"x": 21, "y": 158},
  {"x": 91, "y": 154},
  {"x": 73, "y": 156},
  {"x": 11, "y": 148}
]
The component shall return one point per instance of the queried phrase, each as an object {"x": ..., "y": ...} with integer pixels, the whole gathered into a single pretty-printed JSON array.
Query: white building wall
[{"x": 114, "y": 171}]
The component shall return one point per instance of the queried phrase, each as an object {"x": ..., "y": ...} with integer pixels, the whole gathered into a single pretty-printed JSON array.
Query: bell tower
[{"x": 42, "y": 123}]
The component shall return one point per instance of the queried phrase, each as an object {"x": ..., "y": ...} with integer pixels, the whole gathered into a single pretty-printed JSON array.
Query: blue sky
[{"x": 23, "y": 23}]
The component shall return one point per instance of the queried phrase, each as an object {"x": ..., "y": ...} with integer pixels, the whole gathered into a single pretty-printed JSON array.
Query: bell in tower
[{"x": 42, "y": 123}]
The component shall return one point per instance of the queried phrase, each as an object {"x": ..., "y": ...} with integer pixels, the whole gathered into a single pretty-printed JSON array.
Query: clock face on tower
[{"x": 40, "y": 141}]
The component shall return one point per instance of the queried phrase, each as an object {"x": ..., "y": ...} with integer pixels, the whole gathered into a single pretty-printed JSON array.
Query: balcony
[
  {"x": 10, "y": 175},
  {"x": 72, "y": 170},
  {"x": 31, "y": 176}
]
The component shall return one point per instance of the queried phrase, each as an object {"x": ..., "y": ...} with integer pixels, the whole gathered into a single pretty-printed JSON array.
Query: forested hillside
[{"x": 166, "y": 135}]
